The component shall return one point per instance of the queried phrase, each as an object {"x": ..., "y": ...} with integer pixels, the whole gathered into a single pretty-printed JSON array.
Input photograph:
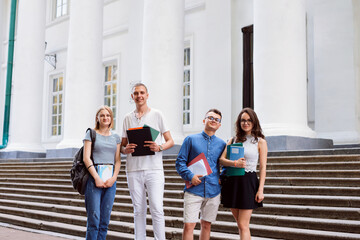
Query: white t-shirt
[{"x": 154, "y": 119}]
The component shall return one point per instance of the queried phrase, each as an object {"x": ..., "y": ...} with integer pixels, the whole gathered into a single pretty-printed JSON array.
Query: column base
[
  {"x": 173, "y": 151},
  {"x": 22, "y": 150},
  {"x": 69, "y": 143},
  {"x": 178, "y": 137},
  {"x": 21, "y": 154},
  {"x": 281, "y": 143},
  {"x": 61, "y": 153},
  {"x": 287, "y": 129},
  {"x": 342, "y": 137}
]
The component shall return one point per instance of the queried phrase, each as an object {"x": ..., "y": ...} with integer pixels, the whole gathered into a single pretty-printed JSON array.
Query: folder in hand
[
  {"x": 139, "y": 136},
  {"x": 234, "y": 152},
  {"x": 199, "y": 166}
]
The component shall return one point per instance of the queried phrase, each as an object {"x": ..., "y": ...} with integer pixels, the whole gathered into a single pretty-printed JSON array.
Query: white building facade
[{"x": 297, "y": 63}]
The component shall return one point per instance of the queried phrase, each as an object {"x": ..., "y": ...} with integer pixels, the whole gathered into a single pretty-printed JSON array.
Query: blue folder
[{"x": 234, "y": 152}]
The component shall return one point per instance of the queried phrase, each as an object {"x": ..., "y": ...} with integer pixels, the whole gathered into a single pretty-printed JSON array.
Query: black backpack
[{"x": 78, "y": 172}]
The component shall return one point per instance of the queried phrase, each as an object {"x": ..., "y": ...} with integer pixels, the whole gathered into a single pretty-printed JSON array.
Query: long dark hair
[{"x": 256, "y": 130}]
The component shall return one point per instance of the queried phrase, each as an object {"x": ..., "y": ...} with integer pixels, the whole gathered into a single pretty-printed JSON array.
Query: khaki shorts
[{"x": 208, "y": 208}]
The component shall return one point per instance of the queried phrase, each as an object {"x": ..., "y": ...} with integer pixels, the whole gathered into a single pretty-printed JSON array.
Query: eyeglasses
[
  {"x": 248, "y": 121},
  {"x": 211, "y": 118}
]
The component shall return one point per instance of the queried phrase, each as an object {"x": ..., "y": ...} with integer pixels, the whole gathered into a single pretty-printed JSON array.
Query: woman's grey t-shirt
[{"x": 104, "y": 148}]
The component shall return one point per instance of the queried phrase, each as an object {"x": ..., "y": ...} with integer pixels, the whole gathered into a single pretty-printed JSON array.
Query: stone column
[
  {"x": 162, "y": 61},
  {"x": 83, "y": 81},
  {"x": 28, "y": 77},
  {"x": 280, "y": 84}
]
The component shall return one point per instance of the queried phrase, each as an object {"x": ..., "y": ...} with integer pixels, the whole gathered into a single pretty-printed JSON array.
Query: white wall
[
  {"x": 334, "y": 76},
  {"x": 56, "y": 36},
  {"x": 242, "y": 15},
  {"x": 210, "y": 27},
  {"x": 3, "y": 45},
  {"x": 128, "y": 45},
  {"x": 115, "y": 43},
  {"x": 356, "y": 12}
]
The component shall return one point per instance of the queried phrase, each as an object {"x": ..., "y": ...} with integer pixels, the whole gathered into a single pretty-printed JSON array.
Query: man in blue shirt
[{"x": 204, "y": 193}]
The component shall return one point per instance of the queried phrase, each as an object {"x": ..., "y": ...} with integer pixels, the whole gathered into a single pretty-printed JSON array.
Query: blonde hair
[{"x": 107, "y": 108}]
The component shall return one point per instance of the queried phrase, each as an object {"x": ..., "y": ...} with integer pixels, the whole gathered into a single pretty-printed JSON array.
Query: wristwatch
[{"x": 161, "y": 148}]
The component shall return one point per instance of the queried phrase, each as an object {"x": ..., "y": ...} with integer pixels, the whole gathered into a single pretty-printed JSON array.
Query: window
[
  {"x": 61, "y": 8},
  {"x": 56, "y": 105},
  {"x": 187, "y": 84},
  {"x": 110, "y": 88}
]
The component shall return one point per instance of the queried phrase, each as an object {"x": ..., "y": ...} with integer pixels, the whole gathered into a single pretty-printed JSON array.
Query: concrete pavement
[{"x": 11, "y": 232}]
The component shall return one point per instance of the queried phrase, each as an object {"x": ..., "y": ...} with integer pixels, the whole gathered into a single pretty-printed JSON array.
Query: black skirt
[{"x": 240, "y": 191}]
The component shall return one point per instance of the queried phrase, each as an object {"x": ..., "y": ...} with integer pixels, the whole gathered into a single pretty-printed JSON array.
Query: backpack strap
[
  {"x": 93, "y": 139},
  {"x": 232, "y": 140}
]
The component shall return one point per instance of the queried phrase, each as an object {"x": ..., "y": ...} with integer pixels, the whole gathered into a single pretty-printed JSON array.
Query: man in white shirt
[{"x": 146, "y": 173}]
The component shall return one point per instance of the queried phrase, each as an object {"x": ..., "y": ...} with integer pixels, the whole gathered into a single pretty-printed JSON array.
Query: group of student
[{"x": 145, "y": 174}]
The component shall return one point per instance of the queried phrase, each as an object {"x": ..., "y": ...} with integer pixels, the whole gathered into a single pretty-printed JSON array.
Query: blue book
[
  {"x": 234, "y": 152},
  {"x": 105, "y": 171}
]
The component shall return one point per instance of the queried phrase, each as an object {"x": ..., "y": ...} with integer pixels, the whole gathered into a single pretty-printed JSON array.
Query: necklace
[{"x": 139, "y": 116}]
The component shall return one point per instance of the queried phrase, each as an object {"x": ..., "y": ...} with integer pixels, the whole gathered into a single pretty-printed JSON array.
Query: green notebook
[
  {"x": 154, "y": 132},
  {"x": 234, "y": 152}
]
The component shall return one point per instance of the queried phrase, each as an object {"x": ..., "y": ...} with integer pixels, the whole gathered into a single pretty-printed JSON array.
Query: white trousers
[{"x": 150, "y": 182}]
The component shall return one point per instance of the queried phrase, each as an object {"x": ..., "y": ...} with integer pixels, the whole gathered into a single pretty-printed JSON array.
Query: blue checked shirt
[{"x": 192, "y": 146}]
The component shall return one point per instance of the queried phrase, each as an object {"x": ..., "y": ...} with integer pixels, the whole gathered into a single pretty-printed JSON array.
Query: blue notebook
[{"x": 105, "y": 171}]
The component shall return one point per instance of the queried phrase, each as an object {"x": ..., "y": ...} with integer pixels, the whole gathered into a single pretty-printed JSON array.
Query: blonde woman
[{"x": 100, "y": 190}]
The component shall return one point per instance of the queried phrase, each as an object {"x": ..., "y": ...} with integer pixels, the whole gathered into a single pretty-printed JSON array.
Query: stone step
[
  {"x": 277, "y": 158},
  {"x": 295, "y": 234},
  {"x": 312, "y": 200},
  {"x": 112, "y": 235},
  {"x": 313, "y": 181},
  {"x": 179, "y": 185},
  {"x": 312, "y": 190},
  {"x": 306, "y": 197},
  {"x": 321, "y": 165},
  {"x": 173, "y": 207},
  {"x": 314, "y": 166},
  {"x": 311, "y": 211},
  {"x": 116, "y": 223},
  {"x": 219, "y": 226},
  {"x": 311, "y": 173},
  {"x": 65, "y": 185},
  {"x": 349, "y": 226},
  {"x": 171, "y": 233},
  {"x": 323, "y": 168},
  {"x": 172, "y": 175},
  {"x": 39, "y": 203},
  {"x": 313, "y": 158},
  {"x": 58, "y": 227},
  {"x": 337, "y": 173},
  {"x": 58, "y": 166},
  {"x": 337, "y": 150}
]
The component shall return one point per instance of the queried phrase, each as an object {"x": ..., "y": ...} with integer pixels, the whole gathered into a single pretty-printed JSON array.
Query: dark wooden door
[{"x": 248, "y": 70}]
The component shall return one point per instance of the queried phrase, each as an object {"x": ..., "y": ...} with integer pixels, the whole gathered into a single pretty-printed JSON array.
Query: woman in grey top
[{"x": 101, "y": 186}]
